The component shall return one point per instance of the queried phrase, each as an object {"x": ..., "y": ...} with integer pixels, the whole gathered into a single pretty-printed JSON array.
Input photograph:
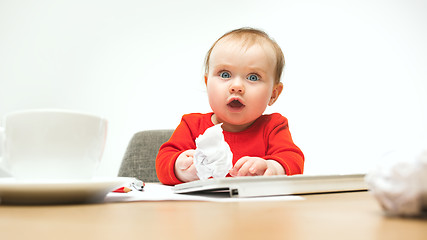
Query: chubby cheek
[
  {"x": 259, "y": 99},
  {"x": 215, "y": 95}
]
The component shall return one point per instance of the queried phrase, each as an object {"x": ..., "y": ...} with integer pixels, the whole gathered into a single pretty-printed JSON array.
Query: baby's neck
[{"x": 230, "y": 127}]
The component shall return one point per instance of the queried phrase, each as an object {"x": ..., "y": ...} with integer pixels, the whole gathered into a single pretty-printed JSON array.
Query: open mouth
[{"x": 235, "y": 104}]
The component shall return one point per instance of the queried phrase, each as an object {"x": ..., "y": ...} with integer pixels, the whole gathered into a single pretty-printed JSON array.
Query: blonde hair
[{"x": 251, "y": 36}]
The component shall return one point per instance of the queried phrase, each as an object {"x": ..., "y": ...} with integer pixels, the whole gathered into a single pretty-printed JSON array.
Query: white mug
[{"x": 52, "y": 144}]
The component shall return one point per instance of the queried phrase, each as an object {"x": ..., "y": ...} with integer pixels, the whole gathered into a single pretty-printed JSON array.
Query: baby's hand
[
  {"x": 255, "y": 166},
  {"x": 184, "y": 167}
]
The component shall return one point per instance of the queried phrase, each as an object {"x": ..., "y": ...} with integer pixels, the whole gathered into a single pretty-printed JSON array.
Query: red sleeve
[
  {"x": 180, "y": 141},
  {"x": 282, "y": 149}
]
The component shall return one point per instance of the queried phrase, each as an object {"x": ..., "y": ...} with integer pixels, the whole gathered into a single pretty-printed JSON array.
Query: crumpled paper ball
[
  {"x": 399, "y": 183},
  {"x": 213, "y": 157}
]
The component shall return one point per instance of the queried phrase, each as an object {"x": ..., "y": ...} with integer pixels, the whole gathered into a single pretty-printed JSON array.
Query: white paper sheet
[{"x": 159, "y": 192}]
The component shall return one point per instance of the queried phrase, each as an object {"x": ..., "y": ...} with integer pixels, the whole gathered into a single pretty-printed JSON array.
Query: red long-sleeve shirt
[{"x": 268, "y": 138}]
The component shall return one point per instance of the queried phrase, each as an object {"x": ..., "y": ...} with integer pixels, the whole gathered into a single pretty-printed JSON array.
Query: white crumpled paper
[
  {"x": 400, "y": 182},
  {"x": 213, "y": 157}
]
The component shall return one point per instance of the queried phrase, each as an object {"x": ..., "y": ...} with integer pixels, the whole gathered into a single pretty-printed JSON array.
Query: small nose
[{"x": 236, "y": 86}]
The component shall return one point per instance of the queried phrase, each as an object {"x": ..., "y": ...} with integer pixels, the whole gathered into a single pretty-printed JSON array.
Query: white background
[{"x": 355, "y": 77}]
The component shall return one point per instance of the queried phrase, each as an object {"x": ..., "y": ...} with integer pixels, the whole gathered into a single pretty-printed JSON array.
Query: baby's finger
[
  {"x": 234, "y": 171},
  {"x": 244, "y": 170},
  {"x": 257, "y": 169},
  {"x": 240, "y": 162},
  {"x": 269, "y": 172},
  {"x": 185, "y": 163},
  {"x": 190, "y": 153},
  {"x": 191, "y": 171}
]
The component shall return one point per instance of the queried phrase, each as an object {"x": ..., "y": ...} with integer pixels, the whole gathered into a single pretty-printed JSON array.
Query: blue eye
[
  {"x": 225, "y": 75},
  {"x": 253, "y": 77}
]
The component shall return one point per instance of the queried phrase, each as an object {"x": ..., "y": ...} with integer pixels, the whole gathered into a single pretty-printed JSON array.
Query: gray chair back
[{"x": 139, "y": 160}]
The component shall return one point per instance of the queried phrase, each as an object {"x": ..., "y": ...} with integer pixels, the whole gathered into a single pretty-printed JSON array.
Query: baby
[{"x": 242, "y": 76}]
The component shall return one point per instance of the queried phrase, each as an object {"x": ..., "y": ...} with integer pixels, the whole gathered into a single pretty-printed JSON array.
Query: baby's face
[{"x": 240, "y": 83}]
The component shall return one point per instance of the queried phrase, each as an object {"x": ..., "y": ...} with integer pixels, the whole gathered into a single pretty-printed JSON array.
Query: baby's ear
[
  {"x": 277, "y": 90},
  {"x": 206, "y": 79}
]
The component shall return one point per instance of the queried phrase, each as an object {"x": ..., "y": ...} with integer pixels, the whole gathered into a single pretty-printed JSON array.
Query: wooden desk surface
[{"x": 324, "y": 216}]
